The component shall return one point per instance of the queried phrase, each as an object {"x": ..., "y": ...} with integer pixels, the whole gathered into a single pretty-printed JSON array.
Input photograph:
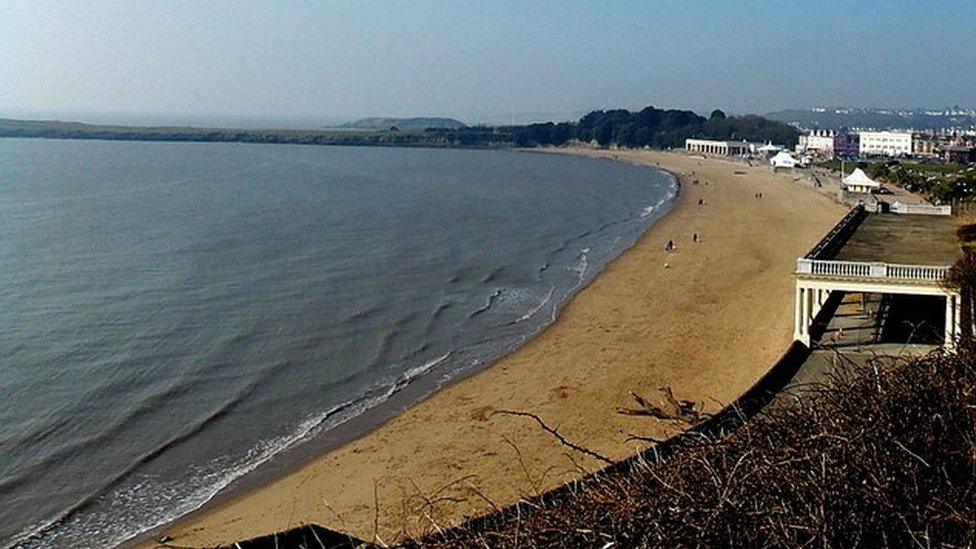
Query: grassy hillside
[
  {"x": 381, "y": 123},
  {"x": 400, "y": 138}
]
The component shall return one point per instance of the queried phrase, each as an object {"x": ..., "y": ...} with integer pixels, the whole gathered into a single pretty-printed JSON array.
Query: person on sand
[
  {"x": 670, "y": 246},
  {"x": 694, "y": 238},
  {"x": 701, "y": 201}
]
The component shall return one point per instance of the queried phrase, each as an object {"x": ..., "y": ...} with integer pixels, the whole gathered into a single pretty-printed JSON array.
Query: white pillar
[
  {"x": 805, "y": 316},
  {"x": 956, "y": 314},
  {"x": 810, "y": 308},
  {"x": 950, "y": 322},
  {"x": 797, "y": 314}
]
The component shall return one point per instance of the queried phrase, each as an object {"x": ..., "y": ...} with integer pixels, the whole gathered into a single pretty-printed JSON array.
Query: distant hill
[
  {"x": 881, "y": 119},
  {"x": 384, "y": 123},
  {"x": 405, "y": 137}
]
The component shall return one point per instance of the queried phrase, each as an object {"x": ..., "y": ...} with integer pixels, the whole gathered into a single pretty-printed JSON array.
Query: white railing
[
  {"x": 861, "y": 269},
  {"x": 920, "y": 209},
  {"x": 917, "y": 272}
]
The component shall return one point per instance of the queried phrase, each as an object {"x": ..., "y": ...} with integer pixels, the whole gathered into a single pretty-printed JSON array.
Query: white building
[
  {"x": 783, "y": 159},
  {"x": 885, "y": 144},
  {"x": 724, "y": 148},
  {"x": 859, "y": 182},
  {"x": 817, "y": 141}
]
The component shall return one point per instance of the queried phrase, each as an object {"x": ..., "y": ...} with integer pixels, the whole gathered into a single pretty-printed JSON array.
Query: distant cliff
[{"x": 382, "y": 123}]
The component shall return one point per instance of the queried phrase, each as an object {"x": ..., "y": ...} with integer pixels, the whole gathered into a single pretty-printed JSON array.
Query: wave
[
  {"x": 534, "y": 310},
  {"x": 435, "y": 317},
  {"x": 45, "y": 534},
  {"x": 116, "y": 427},
  {"x": 145, "y": 458},
  {"x": 488, "y": 303},
  {"x": 493, "y": 276},
  {"x": 582, "y": 264}
]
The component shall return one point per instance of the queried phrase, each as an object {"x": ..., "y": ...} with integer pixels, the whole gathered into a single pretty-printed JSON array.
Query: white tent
[
  {"x": 768, "y": 150},
  {"x": 783, "y": 159},
  {"x": 859, "y": 182}
]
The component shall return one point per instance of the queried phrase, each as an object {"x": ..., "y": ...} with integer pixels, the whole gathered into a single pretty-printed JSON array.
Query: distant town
[
  {"x": 952, "y": 146},
  {"x": 936, "y": 162}
]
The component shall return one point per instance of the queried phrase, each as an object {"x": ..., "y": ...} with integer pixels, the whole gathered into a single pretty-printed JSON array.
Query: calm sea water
[{"x": 175, "y": 315}]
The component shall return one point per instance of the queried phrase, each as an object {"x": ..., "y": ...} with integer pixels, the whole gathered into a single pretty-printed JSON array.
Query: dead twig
[{"x": 562, "y": 440}]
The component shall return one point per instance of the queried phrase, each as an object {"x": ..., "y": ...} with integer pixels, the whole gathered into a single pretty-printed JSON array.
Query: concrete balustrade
[{"x": 863, "y": 269}]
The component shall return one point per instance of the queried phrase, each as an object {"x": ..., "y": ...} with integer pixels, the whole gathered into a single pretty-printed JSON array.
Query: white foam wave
[
  {"x": 582, "y": 264},
  {"x": 417, "y": 371},
  {"x": 543, "y": 303},
  {"x": 114, "y": 524}
]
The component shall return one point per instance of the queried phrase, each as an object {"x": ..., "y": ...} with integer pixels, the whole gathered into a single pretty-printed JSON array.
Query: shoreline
[
  {"x": 478, "y": 457},
  {"x": 411, "y": 394}
]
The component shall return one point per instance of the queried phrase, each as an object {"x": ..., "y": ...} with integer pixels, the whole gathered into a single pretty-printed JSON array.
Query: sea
[{"x": 178, "y": 317}]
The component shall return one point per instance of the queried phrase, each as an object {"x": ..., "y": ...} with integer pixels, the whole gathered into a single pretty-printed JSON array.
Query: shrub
[{"x": 879, "y": 454}]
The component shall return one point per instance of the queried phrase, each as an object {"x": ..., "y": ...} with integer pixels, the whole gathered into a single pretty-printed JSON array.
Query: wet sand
[{"x": 707, "y": 320}]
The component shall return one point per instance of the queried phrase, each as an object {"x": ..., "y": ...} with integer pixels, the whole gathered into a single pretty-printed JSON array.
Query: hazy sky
[{"x": 494, "y": 61}]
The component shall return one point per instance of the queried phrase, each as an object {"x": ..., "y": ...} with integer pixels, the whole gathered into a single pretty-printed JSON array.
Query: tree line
[
  {"x": 655, "y": 128},
  {"x": 649, "y": 127}
]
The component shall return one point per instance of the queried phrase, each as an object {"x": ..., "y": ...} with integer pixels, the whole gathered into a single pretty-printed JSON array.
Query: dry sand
[{"x": 708, "y": 325}]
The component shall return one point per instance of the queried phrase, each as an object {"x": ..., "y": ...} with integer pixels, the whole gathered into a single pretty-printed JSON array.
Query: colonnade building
[
  {"x": 893, "y": 257},
  {"x": 721, "y": 148}
]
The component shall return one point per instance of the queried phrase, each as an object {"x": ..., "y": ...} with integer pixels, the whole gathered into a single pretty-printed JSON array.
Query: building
[
  {"x": 901, "y": 258},
  {"x": 959, "y": 154},
  {"x": 846, "y": 144},
  {"x": 828, "y": 144},
  {"x": 817, "y": 142},
  {"x": 722, "y": 148},
  {"x": 859, "y": 182},
  {"x": 885, "y": 143},
  {"x": 783, "y": 160},
  {"x": 926, "y": 145}
]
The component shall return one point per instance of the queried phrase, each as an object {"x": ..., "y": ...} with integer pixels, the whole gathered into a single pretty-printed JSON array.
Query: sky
[{"x": 500, "y": 61}]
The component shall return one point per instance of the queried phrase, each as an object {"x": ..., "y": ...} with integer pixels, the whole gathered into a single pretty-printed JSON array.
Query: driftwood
[{"x": 671, "y": 408}]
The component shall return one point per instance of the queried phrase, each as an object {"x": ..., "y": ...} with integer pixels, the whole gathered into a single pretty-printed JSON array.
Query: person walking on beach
[
  {"x": 694, "y": 238},
  {"x": 670, "y": 246}
]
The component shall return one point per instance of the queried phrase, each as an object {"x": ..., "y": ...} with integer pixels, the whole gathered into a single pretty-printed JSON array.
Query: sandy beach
[{"x": 707, "y": 320}]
